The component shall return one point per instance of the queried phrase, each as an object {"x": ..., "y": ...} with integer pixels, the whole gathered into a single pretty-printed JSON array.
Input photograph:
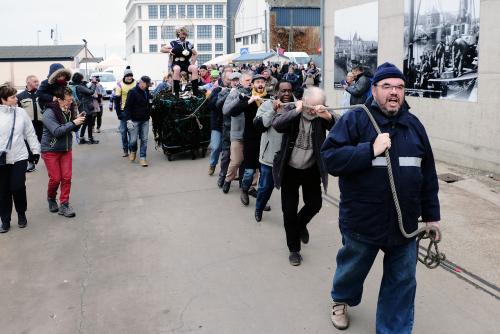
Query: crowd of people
[{"x": 269, "y": 129}]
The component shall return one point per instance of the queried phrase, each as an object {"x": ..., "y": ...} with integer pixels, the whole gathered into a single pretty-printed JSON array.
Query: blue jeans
[
  {"x": 266, "y": 185},
  {"x": 140, "y": 130},
  {"x": 215, "y": 146},
  {"x": 124, "y": 135},
  {"x": 247, "y": 180},
  {"x": 396, "y": 299}
]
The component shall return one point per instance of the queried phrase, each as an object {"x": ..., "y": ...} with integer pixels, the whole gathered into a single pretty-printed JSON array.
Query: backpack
[{"x": 76, "y": 100}]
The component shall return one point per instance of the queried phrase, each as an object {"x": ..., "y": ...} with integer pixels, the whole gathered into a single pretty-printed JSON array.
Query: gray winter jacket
[
  {"x": 270, "y": 142},
  {"x": 237, "y": 122},
  {"x": 57, "y": 133}
]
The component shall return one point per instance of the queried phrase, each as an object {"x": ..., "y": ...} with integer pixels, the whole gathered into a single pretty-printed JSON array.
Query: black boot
[
  {"x": 194, "y": 86},
  {"x": 22, "y": 221},
  {"x": 244, "y": 197},
  {"x": 177, "y": 88},
  {"x": 5, "y": 227},
  {"x": 226, "y": 186}
]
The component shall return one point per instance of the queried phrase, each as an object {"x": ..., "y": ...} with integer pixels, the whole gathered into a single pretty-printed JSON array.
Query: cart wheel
[
  {"x": 169, "y": 157},
  {"x": 193, "y": 155},
  {"x": 203, "y": 152}
]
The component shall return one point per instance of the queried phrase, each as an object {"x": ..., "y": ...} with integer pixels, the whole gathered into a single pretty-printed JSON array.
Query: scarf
[{"x": 254, "y": 93}]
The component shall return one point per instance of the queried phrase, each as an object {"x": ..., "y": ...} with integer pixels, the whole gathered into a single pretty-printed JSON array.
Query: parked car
[{"x": 108, "y": 81}]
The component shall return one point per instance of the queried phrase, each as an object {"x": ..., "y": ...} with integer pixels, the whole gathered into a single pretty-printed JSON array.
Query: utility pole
[
  {"x": 86, "y": 60},
  {"x": 290, "y": 32},
  {"x": 266, "y": 31}
]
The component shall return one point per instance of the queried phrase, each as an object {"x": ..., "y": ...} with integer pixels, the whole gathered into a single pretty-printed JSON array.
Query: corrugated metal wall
[{"x": 297, "y": 16}]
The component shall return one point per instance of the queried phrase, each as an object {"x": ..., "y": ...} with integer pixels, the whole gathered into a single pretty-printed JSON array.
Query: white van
[{"x": 298, "y": 57}]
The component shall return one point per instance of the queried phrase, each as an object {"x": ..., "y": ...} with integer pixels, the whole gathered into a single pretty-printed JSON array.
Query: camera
[{"x": 3, "y": 158}]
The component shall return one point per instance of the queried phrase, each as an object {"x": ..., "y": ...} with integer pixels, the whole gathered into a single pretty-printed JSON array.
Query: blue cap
[{"x": 387, "y": 70}]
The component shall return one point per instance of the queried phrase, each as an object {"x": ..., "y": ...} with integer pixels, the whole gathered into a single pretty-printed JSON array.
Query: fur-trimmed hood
[{"x": 56, "y": 70}]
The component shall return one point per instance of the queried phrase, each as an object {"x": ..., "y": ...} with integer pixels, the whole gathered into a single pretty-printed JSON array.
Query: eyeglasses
[{"x": 387, "y": 87}]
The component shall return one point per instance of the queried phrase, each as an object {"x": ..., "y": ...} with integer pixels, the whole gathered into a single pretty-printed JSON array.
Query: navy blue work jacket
[{"x": 367, "y": 210}]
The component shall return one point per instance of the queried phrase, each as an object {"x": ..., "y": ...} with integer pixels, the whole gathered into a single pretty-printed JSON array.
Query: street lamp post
[
  {"x": 86, "y": 60},
  {"x": 38, "y": 37}
]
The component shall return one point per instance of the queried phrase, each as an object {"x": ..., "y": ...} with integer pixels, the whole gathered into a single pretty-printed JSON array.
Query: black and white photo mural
[
  {"x": 441, "y": 43},
  {"x": 356, "y": 40}
]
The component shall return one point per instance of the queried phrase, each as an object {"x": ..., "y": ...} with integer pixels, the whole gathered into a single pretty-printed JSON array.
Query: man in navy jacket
[
  {"x": 137, "y": 112},
  {"x": 368, "y": 222}
]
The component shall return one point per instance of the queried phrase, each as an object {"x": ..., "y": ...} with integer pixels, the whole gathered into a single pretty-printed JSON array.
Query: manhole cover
[{"x": 449, "y": 178}]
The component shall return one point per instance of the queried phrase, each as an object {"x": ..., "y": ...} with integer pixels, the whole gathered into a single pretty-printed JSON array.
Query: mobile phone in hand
[{"x": 343, "y": 82}]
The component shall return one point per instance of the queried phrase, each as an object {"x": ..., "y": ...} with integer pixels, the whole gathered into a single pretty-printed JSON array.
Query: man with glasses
[{"x": 367, "y": 216}]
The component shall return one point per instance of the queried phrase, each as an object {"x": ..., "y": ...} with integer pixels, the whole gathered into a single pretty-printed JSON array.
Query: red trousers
[{"x": 60, "y": 168}]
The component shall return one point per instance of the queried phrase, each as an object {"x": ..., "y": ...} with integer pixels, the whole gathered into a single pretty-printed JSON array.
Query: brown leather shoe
[
  {"x": 143, "y": 162},
  {"x": 211, "y": 170},
  {"x": 132, "y": 156},
  {"x": 340, "y": 319}
]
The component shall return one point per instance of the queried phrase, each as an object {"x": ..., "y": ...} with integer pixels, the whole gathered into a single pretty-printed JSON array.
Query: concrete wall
[{"x": 461, "y": 133}]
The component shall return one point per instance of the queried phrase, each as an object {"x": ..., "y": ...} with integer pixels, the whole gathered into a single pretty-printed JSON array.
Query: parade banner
[
  {"x": 441, "y": 48},
  {"x": 356, "y": 40}
]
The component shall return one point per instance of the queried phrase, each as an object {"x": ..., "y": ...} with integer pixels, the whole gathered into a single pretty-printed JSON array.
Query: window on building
[
  {"x": 245, "y": 40},
  {"x": 168, "y": 32},
  {"x": 199, "y": 11},
  {"x": 254, "y": 39},
  {"x": 182, "y": 11},
  {"x": 153, "y": 32},
  {"x": 153, "y": 48},
  {"x": 203, "y": 58},
  {"x": 219, "y": 47},
  {"x": 172, "y": 11},
  {"x": 208, "y": 11},
  {"x": 153, "y": 11},
  {"x": 219, "y": 31},
  {"x": 218, "y": 55},
  {"x": 163, "y": 11},
  {"x": 139, "y": 32},
  {"x": 190, "y": 11},
  {"x": 204, "y": 31},
  {"x": 219, "y": 11},
  {"x": 139, "y": 13},
  {"x": 204, "y": 47},
  {"x": 238, "y": 40}
]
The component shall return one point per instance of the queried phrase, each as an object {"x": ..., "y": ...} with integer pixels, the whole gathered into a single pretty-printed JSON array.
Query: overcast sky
[
  {"x": 362, "y": 19},
  {"x": 100, "y": 22}
]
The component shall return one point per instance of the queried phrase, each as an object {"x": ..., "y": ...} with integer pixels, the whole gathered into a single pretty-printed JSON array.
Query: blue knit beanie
[{"x": 387, "y": 70}]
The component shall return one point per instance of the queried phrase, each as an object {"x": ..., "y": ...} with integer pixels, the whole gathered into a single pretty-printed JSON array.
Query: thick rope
[{"x": 431, "y": 259}]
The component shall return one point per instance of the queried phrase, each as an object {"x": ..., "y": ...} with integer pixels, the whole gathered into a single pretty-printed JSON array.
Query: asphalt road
[{"x": 162, "y": 250}]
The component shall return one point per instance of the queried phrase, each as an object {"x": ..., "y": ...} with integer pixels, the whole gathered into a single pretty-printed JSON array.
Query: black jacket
[
  {"x": 288, "y": 123},
  {"x": 359, "y": 91},
  {"x": 85, "y": 96},
  {"x": 226, "y": 119},
  {"x": 48, "y": 86},
  {"x": 215, "y": 113},
  {"x": 138, "y": 105},
  {"x": 367, "y": 210}
]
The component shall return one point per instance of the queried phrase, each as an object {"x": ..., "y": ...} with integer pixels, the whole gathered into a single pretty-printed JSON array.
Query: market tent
[
  {"x": 112, "y": 61},
  {"x": 222, "y": 60},
  {"x": 260, "y": 57}
]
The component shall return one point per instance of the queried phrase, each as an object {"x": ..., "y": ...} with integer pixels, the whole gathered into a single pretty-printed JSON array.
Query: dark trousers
[
  {"x": 13, "y": 189},
  {"x": 224, "y": 163},
  {"x": 97, "y": 119},
  {"x": 89, "y": 120},
  {"x": 38, "y": 125},
  {"x": 310, "y": 181}
]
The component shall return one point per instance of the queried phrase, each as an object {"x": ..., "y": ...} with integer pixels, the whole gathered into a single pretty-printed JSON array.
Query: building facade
[
  {"x": 461, "y": 133},
  {"x": 260, "y": 25},
  {"x": 17, "y": 62},
  {"x": 151, "y": 24}
]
